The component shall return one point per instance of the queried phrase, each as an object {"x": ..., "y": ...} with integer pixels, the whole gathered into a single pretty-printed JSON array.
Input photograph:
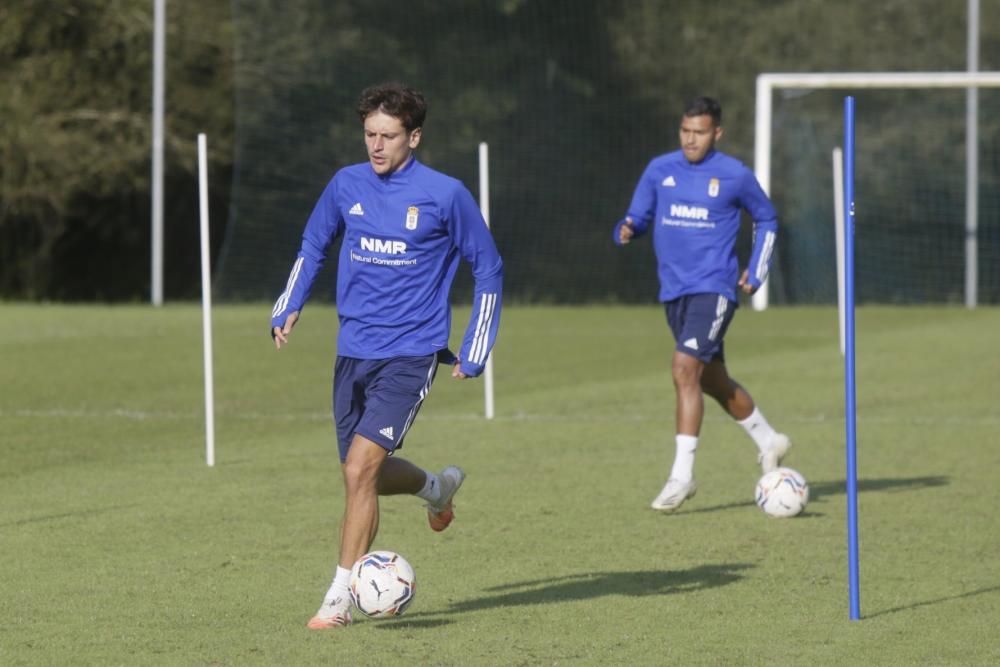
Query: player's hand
[
  {"x": 281, "y": 334},
  {"x": 744, "y": 283},
  {"x": 456, "y": 371},
  {"x": 626, "y": 231}
]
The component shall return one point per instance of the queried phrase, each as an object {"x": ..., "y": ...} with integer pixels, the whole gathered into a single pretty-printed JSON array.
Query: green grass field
[{"x": 119, "y": 546}]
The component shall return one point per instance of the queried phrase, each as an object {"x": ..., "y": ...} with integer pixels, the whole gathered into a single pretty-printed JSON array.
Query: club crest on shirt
[
  {"x": 412, "y": 213},
  {"x": 713, "y": 187}
]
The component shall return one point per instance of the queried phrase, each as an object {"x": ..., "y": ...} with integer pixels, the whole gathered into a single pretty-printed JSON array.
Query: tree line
[{"x": 577, "y": 93}]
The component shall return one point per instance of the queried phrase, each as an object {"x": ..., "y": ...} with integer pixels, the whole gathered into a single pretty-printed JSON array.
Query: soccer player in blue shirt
[
  {"x": 404, "y": 228},
  {"x": 692, "y": 199}
]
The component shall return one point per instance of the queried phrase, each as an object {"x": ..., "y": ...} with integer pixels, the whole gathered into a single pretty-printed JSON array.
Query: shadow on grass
[
  {"x": 67, "y": 515},
  {"x": 713, "y": 508},
  {"x": 406, "y": 624},
  {"x": 598, "y": 584},
  {"x": 818, "y": 490},
  {"x": 926, "y": 603}
]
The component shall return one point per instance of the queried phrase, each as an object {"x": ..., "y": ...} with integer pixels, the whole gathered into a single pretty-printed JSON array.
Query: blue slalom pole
[{"x": 850, "y": 405}]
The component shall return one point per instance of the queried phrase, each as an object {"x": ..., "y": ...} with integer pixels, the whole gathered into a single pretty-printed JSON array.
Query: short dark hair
[
  {"x": 397, "y": 100},
  {"x": 704, "y": 106}
]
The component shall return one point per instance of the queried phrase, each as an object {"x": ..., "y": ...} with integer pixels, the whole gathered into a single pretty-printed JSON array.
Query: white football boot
[
  {"x": 673, "y": 495},
  {"x": 440, "y": 514},
  {"x": 333, "y": 614},
  {"x": 771, "y": 457}
]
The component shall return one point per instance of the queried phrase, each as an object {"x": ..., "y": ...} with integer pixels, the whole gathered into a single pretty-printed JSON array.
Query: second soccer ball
[{"x": 783, "y": 492}]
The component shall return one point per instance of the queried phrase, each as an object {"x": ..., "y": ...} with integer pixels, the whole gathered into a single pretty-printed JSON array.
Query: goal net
[
  {"x": 571, "y": 118},
  {"x": 526, "y": 78},
  {"x": 910, "y": 194}
]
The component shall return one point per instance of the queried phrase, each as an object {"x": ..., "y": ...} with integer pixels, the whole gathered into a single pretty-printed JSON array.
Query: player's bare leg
[
  {"x": 686, "y": 371},
  {"x": 730, "y": 394},
  {"x": 361, "y": 472},
  {"x": 737, "y": 402},
  {"x": 399, "y": 476}
]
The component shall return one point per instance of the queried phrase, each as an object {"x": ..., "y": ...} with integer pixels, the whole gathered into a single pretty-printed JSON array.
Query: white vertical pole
[
  {"x": 972, "y": 163},
  {"x": 838, "y": 227},
  {"x": 159, "y": 79},
  {"x": 206, "y": 300},
  {"x": 762, "y": 161},
  {"x": 484, "y": 207}
]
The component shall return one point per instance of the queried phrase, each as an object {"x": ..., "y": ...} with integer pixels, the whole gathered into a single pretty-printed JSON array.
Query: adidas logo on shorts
[{"x": 387, "y": 432}]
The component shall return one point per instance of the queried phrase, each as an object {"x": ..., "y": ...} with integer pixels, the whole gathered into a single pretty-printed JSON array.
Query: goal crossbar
[{"x": 767, "y": 83}]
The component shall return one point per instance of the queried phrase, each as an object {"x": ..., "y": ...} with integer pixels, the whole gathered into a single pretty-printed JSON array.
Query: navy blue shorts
[
  {"x": 379, "y": 398},
  {"x": 699, "y": 322}
]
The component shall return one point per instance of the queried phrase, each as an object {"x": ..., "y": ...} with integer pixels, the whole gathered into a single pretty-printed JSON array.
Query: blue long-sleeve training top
[
  {"x": 695, "y": 213},
  {"x": 403, "y": 236}
]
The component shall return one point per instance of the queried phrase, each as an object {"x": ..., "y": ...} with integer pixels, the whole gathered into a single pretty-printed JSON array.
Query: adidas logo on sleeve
[{"x": 387, "y": 432}]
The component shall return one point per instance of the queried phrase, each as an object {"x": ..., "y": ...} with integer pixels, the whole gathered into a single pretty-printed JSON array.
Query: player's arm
[
  {"x": 765, "y": 233},
  {"x": 475, "y": 243},
  {"x": 640, "y": 211},
  {"x": 324, "y": 225}
]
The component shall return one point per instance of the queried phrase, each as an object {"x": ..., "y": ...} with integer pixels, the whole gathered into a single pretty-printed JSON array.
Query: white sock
[
  {"x": 757, "y": 428},
  {"x": 432, "y": 488},
  {"x": 683, "y": 469},
  {"x": 339, "y": 589}
]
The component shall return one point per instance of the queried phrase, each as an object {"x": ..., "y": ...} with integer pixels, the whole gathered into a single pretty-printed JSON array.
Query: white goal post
[
  {"x": 484, "y": 208},
  {"x": 768, "y": 83}
]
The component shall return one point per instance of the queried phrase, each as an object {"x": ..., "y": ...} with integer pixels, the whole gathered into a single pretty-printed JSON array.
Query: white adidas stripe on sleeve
[
  {"x": 487, "y": 307},
  {"x": 282, "y": 301},
  {"x": 760, "y": 271}
]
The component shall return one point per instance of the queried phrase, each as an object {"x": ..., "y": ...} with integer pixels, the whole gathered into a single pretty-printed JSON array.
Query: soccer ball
[
  {"x": 382, "y": 584},
  {"x": 783, "y": 492}
]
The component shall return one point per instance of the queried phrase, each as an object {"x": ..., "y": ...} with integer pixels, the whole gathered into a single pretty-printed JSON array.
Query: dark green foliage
[
  {"x": 574, "y": 96},
  {"x": 75, "y": 142}
]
